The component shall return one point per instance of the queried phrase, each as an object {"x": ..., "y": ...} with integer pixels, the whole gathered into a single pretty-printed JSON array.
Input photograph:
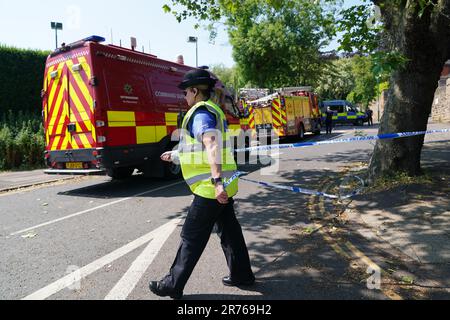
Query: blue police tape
[
  {"x": 347, "y": 140},
  {"x": 239, "y": 174}
]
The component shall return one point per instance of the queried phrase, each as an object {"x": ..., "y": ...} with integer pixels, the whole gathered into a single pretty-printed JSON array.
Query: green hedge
[
  {"x": 21, "y": 79},
  {"x": 22, "y": 138}
]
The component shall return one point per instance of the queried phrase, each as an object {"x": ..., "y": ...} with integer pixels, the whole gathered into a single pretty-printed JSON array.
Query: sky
[{"x": 26, "y": 24}]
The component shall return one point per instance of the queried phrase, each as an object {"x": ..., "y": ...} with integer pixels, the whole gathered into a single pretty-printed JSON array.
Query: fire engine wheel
[
  {"x": 120, "y": 173},
  {"x": 301, "y": 132},
  {"x": 172, "y": 171}
]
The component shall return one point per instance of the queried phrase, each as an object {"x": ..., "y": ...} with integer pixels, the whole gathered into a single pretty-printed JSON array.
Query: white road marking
[
  {"x": 70, "y": 279},
  {"x": 126, "y": 285},
  {"x": 93, "y": 209}
]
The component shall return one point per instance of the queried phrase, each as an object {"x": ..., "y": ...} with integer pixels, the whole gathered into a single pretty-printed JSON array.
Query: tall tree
[{"x": 419, "y": 31}]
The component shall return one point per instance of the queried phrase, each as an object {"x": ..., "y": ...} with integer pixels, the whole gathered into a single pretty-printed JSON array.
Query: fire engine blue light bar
[{"x": 95, "y": 39}]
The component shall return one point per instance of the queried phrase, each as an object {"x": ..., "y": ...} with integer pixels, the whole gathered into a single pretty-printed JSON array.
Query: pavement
[
  {"x": 407, "y": 221},
  {"x": 23, "y": 179}
]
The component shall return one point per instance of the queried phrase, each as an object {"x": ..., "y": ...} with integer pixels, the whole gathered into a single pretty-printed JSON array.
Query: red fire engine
[{"x": 108, "y": 108}]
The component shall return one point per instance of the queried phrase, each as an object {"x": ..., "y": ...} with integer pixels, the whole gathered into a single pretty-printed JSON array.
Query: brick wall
[{"x": 441, "y": 105}]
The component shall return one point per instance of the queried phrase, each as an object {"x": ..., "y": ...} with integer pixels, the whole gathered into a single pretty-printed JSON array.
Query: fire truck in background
[
  {"x": 288, "y": 112},
  {"x": 245, "y": 96},
  {"x": 112, "y": 109}
]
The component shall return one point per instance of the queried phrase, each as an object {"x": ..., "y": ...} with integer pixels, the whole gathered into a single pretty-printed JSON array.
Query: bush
[{"x": 22, "y": 141}]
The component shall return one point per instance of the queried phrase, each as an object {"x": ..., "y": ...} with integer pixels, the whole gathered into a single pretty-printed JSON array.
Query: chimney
[{"x": 180, "y": 59}]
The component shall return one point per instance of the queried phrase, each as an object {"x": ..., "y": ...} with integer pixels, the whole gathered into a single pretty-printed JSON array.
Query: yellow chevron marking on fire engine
[
  {"x": 283, "y": 117},
  {"x": 251, "y": 118},
  {"x": 81, "y": 111},
  {"x": 55, "y": 85},
  {"x": 46, "y": 82},
  {"x": 84, "y": 140},
  {"x": 276, "y": 123},
  {"x": 55, "y": 142},
  {"x": 58, "y": 104},
  {"x": 121, "y": 119},
  {"x": 59, "y": 126},
  {"x": 58, "y": 81},
  {"x": 86, "y": 67},
  {"x": 65, "y": 143},
  {"x": 81, "y": 84},
  {"x": 87, "y": 96}
]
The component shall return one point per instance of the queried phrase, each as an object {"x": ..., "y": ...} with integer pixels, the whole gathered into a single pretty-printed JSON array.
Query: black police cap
[{"x": 197, "y": 77}]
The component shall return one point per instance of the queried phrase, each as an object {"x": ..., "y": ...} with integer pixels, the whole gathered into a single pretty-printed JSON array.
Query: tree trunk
[{"x": 424, "y": 42}]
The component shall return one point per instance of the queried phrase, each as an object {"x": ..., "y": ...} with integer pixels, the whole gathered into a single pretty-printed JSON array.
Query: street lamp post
[
  {"x": 56, "y": 26},
  {"x": 194, "y": 40}
]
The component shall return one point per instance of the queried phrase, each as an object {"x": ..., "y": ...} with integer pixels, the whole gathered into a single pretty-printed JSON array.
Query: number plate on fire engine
[{"x": 74, "y": 165}]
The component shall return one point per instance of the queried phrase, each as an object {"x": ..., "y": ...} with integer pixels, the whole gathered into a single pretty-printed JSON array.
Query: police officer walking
[
  {"x": 206, "y": 160},
  {"x": 329, "y": 120},
  {"x": 369, "y": 113}
]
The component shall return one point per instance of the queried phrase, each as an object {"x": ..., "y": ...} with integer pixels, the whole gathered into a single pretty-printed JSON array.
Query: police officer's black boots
[
  {"x": 157, "y": 287},
  {"x": 227, "y": 281}
]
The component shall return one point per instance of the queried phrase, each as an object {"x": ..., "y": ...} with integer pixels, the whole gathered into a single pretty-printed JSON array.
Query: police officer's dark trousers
[
  {"x": 202, "y": 216},
  {"x": 329, "y": 126}
]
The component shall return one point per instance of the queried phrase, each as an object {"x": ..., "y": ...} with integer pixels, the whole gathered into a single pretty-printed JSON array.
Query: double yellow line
[{"x": 346, "y": 250}]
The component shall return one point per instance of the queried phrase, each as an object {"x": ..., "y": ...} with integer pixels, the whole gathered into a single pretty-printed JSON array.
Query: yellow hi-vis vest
[{"x": 194, "y": 158}]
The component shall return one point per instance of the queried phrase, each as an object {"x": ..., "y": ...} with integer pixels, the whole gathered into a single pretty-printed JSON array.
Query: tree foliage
[
  {"x": 337, "y": 80},
  {"x": 275, "y": 43},
  {"x": 230, "y": 77}
]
